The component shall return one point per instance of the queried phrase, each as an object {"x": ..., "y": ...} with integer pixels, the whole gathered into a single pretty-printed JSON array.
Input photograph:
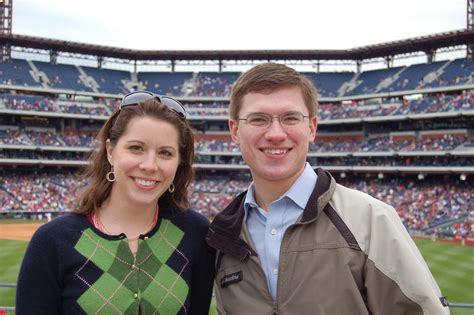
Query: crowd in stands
[
  {"x": 327, "y": 111},
  {"x": 219, "y": 160},
  {"x": 462, "y": 229},
  {"x": 14, "y": 137},
  {"x": 84, "y": 110},
  {"x": 213, "y": 84},
  {"x": 79, "y": 138},
  {"x": 28, "y": 103},
  {"x": 38, "y": 192},
  {"x": 45, "y": 138},
  {"x": 459, "y": 72},
  {"x": 216, "y": 145},
  {"x": 73, "y": 138},
  {"x": 165, "y": 83},
  {"x": 447, "y": 142},
  {"x": 421, "y": 204},
  {"x": 210, "y": 195},
  {"x": 228, "y": 152},
  {"x": 218, "y": 84},
  {"x": 44, "y": 155},
  {"x": 16, "y": 72},
  {"x": 437, "y": 104},
  {"x": 394, "y": 161},
  {"x": 357, "y": 161}
]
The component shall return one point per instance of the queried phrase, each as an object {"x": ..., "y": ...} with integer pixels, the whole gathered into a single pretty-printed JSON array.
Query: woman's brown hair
[{"x": 99, "y": 189}]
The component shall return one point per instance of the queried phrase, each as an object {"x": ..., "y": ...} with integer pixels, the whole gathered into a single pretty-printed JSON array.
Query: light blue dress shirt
[{"x": 267, "y": 229}]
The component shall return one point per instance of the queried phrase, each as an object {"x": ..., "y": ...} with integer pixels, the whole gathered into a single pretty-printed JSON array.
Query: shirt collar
[
  {"x": 249, "y": 201},
  {"x": 299, "y": 192}
]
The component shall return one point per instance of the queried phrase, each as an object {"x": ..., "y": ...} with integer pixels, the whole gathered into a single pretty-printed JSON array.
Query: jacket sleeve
[
  {"x": 396, "y": 277},
  {"x": 38, "y": 288}
]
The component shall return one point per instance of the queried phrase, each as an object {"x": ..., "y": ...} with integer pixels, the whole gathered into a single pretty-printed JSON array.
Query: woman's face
[{"x": 145, "y": 160}]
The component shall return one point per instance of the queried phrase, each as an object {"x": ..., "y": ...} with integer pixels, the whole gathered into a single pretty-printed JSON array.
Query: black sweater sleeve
[
  {"x": 202, "y": 275},
  {"x": 38, "y": 290}
]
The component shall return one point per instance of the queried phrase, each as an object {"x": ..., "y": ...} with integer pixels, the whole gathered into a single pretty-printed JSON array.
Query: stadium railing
[{"x": 13, "y": 285}]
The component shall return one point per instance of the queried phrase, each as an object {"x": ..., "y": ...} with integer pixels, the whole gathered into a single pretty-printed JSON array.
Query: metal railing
[
  {"x": 8, "y": 309},
  {"x": 13, "y": 285}
]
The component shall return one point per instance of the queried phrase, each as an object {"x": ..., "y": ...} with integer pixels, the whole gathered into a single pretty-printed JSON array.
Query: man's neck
[{"x": 267, "y": 191}]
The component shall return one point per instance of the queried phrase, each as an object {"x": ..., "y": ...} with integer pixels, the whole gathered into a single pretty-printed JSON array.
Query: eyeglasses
[
  {"x": 263, "y": 120},
  {"x": 136, "y": 97}
]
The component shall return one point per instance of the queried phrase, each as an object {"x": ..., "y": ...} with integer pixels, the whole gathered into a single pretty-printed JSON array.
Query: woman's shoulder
[
  {"x": 196, "y": 217},
  {"x": 64, "y": 222},
  {"x": 190, "y": 217}
]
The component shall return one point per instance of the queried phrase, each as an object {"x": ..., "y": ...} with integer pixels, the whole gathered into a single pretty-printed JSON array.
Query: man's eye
[
  {"x": 291, "y": 119},
  {"x": 257, "y": 119}
]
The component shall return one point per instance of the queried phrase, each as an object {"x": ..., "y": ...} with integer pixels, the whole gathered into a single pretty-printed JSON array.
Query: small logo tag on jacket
[
  {"x": 231, "y": 278},
  {"x": 444, "y": 301}
]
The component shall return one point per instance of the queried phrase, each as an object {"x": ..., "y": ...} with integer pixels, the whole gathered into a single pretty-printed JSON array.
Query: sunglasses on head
[{"x": 136, "y": 97}]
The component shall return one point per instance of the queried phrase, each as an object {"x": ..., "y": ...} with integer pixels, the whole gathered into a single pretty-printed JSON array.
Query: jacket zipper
[
  {"x": 275, "y": 303},
  {"x": 275, "y": 308}
]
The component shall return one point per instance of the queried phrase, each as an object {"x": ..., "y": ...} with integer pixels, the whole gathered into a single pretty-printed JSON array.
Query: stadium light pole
[
  {"x": 470, "y": 26},
  {"x": 6, "y": 7}
]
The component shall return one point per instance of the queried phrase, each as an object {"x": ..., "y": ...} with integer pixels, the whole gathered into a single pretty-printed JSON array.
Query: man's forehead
[{"x": 285, "y": 97}]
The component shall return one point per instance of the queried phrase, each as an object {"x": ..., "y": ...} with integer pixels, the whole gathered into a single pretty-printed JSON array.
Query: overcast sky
[{"x": 242, "y": 24}]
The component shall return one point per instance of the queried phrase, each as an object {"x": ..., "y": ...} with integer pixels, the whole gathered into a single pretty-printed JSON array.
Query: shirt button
[
  {"x": 273, "y": 231},
  {"x": 275, "y": 271},
  {"x": 135, "y": 296}
]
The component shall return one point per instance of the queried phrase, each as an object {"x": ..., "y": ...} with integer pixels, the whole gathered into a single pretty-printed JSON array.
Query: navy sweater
[{"x": 70, "y": 267}]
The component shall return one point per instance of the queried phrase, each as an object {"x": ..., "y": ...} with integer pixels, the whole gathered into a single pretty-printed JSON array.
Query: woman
[{"x": 130, "y": 247}]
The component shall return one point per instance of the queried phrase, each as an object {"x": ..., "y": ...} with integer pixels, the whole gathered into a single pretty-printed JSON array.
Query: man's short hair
[{"x": 269, "y": 77}]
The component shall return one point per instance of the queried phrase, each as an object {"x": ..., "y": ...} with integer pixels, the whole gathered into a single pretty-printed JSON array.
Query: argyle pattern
[{"x": 148, "y": 283}]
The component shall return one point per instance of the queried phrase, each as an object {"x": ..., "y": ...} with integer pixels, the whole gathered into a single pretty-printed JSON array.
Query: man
[{"x": 297, "y": 242}]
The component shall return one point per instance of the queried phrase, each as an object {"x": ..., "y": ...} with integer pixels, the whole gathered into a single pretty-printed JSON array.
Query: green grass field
[
  {"x": 451, "y": 265},
  {"x": 11, "y": 254}
]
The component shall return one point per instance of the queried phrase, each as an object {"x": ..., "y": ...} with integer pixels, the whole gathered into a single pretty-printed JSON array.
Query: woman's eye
[
  {"x": 166, "y": 153},
  {"x": 135, "y": 148}
]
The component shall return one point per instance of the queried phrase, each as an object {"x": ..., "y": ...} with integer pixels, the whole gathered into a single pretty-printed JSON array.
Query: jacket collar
[{"x": 224, "y": 231}]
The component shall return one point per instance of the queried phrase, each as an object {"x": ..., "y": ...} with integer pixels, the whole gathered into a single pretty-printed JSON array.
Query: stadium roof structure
[{"x": 427, "y": 44}]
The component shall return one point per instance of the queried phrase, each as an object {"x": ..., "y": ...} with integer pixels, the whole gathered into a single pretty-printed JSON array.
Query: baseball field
[{"x": 451, "y": 264}]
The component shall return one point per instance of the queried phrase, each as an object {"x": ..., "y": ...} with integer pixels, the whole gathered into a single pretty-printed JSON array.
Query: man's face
[{"x": 276, "y": 153}]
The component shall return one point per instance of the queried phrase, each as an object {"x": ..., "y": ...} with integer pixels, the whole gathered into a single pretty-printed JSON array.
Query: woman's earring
[
  {"x": 171, "y": 188},
  {"x": 110, "y": 176}
]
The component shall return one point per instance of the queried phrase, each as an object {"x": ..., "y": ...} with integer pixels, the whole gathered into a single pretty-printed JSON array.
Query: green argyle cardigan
[{"x": 70, "y": 267}]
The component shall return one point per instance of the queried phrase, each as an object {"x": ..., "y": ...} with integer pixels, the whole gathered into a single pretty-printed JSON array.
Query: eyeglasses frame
[{"x": 278, "y": 117}]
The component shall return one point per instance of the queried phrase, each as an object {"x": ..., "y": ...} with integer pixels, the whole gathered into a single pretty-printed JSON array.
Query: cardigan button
[
  {"x": 133, "y": 266},
  {"x": 135, "y": 296},
  {"x": 145, "y": 238}
]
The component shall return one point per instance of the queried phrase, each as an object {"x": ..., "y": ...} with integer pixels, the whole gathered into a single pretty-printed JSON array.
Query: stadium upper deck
[{"x": 73, "y": 79}]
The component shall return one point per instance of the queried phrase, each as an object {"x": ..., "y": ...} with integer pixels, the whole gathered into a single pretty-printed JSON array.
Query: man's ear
[
  {"x": 109, "y": 149},
  {"x": 313, "y": 126},
  {"x": 233, "y": 127}
]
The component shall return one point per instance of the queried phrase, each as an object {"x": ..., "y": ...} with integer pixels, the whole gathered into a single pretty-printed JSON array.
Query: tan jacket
[{"x": 347, "y": 254}]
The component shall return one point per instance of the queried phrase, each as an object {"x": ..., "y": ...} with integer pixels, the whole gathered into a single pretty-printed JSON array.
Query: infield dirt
[{"x": 18, "y": 232}]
